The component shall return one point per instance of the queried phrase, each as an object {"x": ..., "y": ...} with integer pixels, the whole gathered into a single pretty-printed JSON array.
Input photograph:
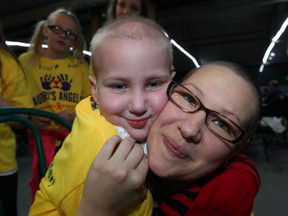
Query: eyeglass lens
[
  {"x": 58, "y": 30},
  {"x": 217, "y": 123}
]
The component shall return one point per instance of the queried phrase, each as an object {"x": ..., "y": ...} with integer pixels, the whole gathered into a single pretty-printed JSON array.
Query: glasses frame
[
  {"x": 207, "y": 111},
  {"x": 59, "y": 30}
]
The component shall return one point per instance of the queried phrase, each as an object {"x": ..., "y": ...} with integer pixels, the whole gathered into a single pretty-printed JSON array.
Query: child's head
[
  {"x": 131, "y": 58},
  {"x": 61, "y": 31}
]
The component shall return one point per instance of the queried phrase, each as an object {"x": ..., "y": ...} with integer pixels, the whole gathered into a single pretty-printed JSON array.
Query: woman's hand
[{"x": 116, "y": 179}]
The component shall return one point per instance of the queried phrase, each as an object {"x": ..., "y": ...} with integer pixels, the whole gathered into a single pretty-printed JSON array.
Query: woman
[{"x": 194, "y": 151}]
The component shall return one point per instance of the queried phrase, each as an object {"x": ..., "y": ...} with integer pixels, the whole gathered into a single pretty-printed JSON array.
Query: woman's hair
[
  {"x": 111, "y": 10},
  {"x": 252, "y": 80},
  {"x": 129, "y": 28},
  {"x": 38, "y": 38}
]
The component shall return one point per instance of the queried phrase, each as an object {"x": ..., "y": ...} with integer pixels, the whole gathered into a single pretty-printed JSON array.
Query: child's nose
[{"x": 138, "y": 103}]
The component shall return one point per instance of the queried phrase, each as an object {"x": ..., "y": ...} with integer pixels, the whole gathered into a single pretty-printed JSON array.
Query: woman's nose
[{"x": 192, "y": 125}]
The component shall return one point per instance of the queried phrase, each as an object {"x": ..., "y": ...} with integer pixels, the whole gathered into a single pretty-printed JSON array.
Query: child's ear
[
  {"x": 173, "y": 73},
  {"x": 93, "y": 84},
  {"x": 44, "y": 30}
]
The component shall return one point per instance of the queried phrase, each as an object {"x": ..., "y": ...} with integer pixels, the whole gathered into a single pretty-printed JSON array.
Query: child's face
[
  {"x": 59, "y": 43},
  {"x": 131, "y": 84}
]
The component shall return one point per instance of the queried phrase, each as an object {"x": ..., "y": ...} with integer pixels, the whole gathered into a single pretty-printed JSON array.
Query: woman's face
[
  {"x": 60, "y": 43},
  {"x": 180, "y": 145},
  {"x": 128, "y": 8}
]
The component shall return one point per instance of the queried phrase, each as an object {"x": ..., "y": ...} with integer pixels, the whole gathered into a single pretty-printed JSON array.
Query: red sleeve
[{"x": 230, "y": 193}]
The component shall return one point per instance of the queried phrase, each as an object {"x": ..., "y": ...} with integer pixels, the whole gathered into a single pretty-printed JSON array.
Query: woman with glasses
[
  {"x": 58, "y": 76},
  {"x": 194, "y": 151}
]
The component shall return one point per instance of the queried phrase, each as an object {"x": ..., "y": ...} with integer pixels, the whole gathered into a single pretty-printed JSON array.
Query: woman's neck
[{"x": 163, "y": 188}]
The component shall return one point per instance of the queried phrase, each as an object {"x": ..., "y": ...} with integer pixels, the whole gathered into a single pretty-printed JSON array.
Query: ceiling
[{"x": 233, "y": 30}]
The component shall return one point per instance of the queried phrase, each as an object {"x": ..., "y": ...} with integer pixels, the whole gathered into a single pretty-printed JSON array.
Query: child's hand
[
  {"x": 116, "y": 179},
  {"x": 68, "y": 116},
  {"x": 41, "y": 122}
]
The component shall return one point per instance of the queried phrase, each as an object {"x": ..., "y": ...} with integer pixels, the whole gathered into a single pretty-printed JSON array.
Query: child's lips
[{"x": 138, "y": 124}]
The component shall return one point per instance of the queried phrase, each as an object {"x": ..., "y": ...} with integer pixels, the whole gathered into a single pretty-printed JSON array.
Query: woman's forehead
[
  {"x": 215, "y": 73},
  {"x": 222, "y": 90}
]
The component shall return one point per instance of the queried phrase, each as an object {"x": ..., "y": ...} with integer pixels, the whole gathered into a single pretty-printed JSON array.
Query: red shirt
[{"x": 229, "y": 191}]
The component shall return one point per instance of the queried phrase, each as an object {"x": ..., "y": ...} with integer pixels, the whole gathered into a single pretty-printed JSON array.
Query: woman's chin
[{"x": 158, "y": 168}]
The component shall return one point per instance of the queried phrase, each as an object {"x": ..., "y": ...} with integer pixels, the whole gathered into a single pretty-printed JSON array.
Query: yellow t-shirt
[
  {"x": 14, "y": 89},
  {"x": 61, "y": 188},
  {"x": 56, "y": 84}
]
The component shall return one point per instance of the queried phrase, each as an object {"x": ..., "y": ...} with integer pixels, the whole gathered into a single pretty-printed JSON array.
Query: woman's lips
[{"x": 173, "y": 149}]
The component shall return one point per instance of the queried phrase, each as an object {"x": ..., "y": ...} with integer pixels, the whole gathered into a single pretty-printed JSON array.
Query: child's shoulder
[
  {"x": 25, "y": 55},
  {"x": 84, "y": 106}
]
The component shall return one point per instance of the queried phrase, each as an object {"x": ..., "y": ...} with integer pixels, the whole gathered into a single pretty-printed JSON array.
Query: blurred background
[{"x": 233, "y": 30}]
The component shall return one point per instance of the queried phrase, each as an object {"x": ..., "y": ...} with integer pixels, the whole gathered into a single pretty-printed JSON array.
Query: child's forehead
[{"x": 123, "y": 45}]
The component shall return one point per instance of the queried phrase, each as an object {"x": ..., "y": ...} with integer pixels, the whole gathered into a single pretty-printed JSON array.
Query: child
[
  {"x": 13, "y": 92},
  {"x": 58, "y": 77},
  {"x": 131, "y": 58}
]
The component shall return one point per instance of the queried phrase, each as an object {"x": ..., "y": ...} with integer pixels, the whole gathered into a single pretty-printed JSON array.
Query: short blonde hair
[{"x": 134, "y": 28}]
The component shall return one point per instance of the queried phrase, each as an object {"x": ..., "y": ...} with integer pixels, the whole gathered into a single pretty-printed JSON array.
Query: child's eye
[
  {"x": 119, "y": 86},
  {"x": 154, "y": 85}
]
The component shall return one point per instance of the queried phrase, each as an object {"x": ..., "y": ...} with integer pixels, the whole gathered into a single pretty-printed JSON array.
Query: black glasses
[
  {"x": 218, "y": 124},
  {"x": 58, "y": 30}
]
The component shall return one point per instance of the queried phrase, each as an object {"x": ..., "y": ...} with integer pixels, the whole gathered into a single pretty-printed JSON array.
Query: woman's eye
[
  {"x": 221, "y": 125},
  {"x": 190, "y": 99}
]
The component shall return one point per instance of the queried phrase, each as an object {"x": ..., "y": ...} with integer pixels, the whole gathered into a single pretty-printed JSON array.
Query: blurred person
[
  {"x": 118, "y": 8},
  {"x": 14, "y": 92},
  {"x": 58, "y": 76},
  {"x": 273, "y": 91}
]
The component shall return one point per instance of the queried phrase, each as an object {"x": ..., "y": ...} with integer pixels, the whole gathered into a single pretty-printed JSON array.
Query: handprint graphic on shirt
[
  {"x": 66, "y": 83},
  {"x": 46, "y": 81}
]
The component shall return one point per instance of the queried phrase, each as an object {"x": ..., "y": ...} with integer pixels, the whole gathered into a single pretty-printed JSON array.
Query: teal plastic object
[
  {"x": 36, "y": 112},
  {"x": 14, "y": 114}
]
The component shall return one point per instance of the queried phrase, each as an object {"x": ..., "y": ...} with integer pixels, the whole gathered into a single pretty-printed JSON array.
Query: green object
[{"x": 14, "y": 114}]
